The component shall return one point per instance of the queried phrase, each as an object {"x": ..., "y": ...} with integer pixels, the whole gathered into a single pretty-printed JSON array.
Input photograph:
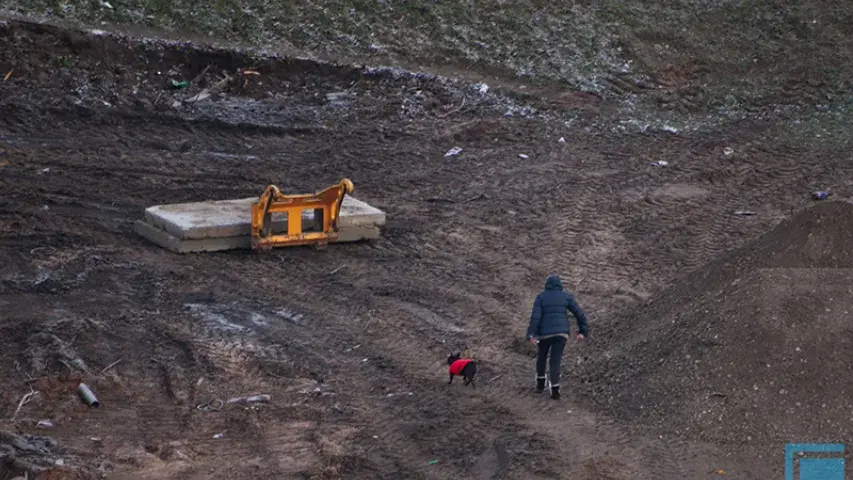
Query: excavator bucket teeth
[{"x": 326, "y": 208}]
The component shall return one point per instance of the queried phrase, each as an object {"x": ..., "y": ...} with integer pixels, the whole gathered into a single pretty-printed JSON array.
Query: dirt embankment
[{"x": 751, "y": 350}]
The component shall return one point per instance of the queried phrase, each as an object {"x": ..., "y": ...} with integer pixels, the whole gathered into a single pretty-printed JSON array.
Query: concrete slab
[
  {"x": 231, "y": 218},
  {"x": 226, "y": 224},
  {"x": 243, "y": 242}
]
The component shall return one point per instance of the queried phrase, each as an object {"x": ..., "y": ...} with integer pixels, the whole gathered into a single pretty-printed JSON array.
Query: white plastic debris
[
  {"x": 562, "y": 140},
  {"x": 728, "y": 151},
  {"x": 201, "y": 96},
  {"x": 45, "y": 424},
  {"x": 251, "y": 399},
  {"x": 483, "y": 89},
  {"x": 521, "y": 155},
  {"x": 453, "y": 152},
  {"x": 667, "y": 128},
  {"x": 660, "y": 163}
]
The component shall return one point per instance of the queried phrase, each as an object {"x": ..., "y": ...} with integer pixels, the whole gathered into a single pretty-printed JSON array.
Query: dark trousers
[{"x": 555, "y": 345}]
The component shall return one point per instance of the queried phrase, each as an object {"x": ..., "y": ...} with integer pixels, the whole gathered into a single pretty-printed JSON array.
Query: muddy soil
[
  {"x": 349, "y": 341},
  {"x": 747, "y": 353}
]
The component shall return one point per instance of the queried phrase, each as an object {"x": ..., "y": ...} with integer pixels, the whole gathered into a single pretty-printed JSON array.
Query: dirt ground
[
  {"x": 748, "y": 353},
  {"x": 349, "y": 342}
]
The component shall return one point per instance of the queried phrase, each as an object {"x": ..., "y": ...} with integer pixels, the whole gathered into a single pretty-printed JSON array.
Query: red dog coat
[{"x": 457, "y": 366}]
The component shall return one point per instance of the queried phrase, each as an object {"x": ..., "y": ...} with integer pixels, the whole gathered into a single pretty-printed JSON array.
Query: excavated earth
[
  {"x": 750, "y": 351},
  {"x": 350, "y": 342}
]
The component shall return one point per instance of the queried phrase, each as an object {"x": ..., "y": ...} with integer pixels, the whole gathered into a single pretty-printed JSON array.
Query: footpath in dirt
[{"x": 350, "y": 342}]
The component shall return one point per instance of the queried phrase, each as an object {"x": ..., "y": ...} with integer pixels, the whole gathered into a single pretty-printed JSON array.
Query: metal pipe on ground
[{"x": 87, "y": 395}]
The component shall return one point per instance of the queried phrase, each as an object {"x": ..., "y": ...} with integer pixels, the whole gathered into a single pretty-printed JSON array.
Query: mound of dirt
[{"x": 754, "y": 349}]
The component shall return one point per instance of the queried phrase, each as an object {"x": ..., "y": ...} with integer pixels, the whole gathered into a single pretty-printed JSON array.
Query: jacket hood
[{"x": 553, "y": 282}]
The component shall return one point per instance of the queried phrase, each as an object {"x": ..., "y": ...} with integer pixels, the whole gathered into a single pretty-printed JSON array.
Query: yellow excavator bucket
[{"x": 326, "y": 205}]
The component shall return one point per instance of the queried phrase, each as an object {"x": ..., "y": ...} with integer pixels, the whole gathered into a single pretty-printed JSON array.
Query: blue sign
[{"x": 814, "y": 468}]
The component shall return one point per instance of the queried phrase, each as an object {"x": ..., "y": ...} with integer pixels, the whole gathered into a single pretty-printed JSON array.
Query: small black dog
[{"x": 462, "y": 367}]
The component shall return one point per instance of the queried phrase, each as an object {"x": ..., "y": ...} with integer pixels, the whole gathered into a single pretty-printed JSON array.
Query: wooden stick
[
  {"x": 111, "y": 365},
  {"x": 24, "y": 400}
]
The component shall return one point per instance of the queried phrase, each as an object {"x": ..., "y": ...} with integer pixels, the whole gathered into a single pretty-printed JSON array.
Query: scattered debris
[
  {"x": 24, "y": 400},
  {"x": 45, "y": 424},
  {"x": 219, "y": 435},
  {"x": 87, "y": 395},
  {"x": 200, "y": 75},
  {"x": 4, "y": 163},
  {"x": 744, "y": 213},
  {"x": 562, "y": 140},
  {"x": 111, "y": 365},
  {"x": 311, "y": 391},
  {"x": 667, "y": 128},
  {"x": 44, "y": 170},
  {"x": 521, "y": 155},
  {"x": 246, "y": 74},
  {"x": 453, "y": 152},
  {"x": 728, "y": 151},
  {"x": 660, "y": 163},
  {"x": 207, "y": 92},
  {"x": 180, "y": 85},
  {"x": 31, "y": 453},
  {"x": 720, "y": 471},
  {"x": 215, "y": 405},
  {"x": 8, "y": 75},
  {"x": 821, "y": 195},
  {"x": 432, "y": 462},
  {"x": 338, "y": 96},
  {"x": 483, "y": 88},
  {"x": 251, "y": 399},
  {"x": 199, "y": 97},
  {"x": 455, "y": 110}
]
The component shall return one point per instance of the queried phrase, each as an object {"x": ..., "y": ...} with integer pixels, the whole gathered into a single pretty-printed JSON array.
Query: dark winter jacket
[{"x": 549, "y": 315}]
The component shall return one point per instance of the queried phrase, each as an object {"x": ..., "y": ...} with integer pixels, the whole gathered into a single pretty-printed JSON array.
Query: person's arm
[
  {"x": 535, "y": 318},
  {"x": 579, "y": 314}
]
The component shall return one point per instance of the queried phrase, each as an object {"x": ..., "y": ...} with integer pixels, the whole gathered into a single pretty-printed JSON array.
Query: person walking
[{"x": 549, "y": 330}]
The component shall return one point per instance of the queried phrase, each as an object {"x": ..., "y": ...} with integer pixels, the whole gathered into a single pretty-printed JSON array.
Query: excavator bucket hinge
[{"x": 325, "y": 204}]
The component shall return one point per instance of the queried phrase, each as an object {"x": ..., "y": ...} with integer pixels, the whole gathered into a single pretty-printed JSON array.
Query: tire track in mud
[
  {"x": 403, "y": 359},
  {"x": 649, "y": 219},
  {"x": 396, "y": 376},
  {"x": 272, "y": 332},
  {"x": 525, "y": 410}
]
